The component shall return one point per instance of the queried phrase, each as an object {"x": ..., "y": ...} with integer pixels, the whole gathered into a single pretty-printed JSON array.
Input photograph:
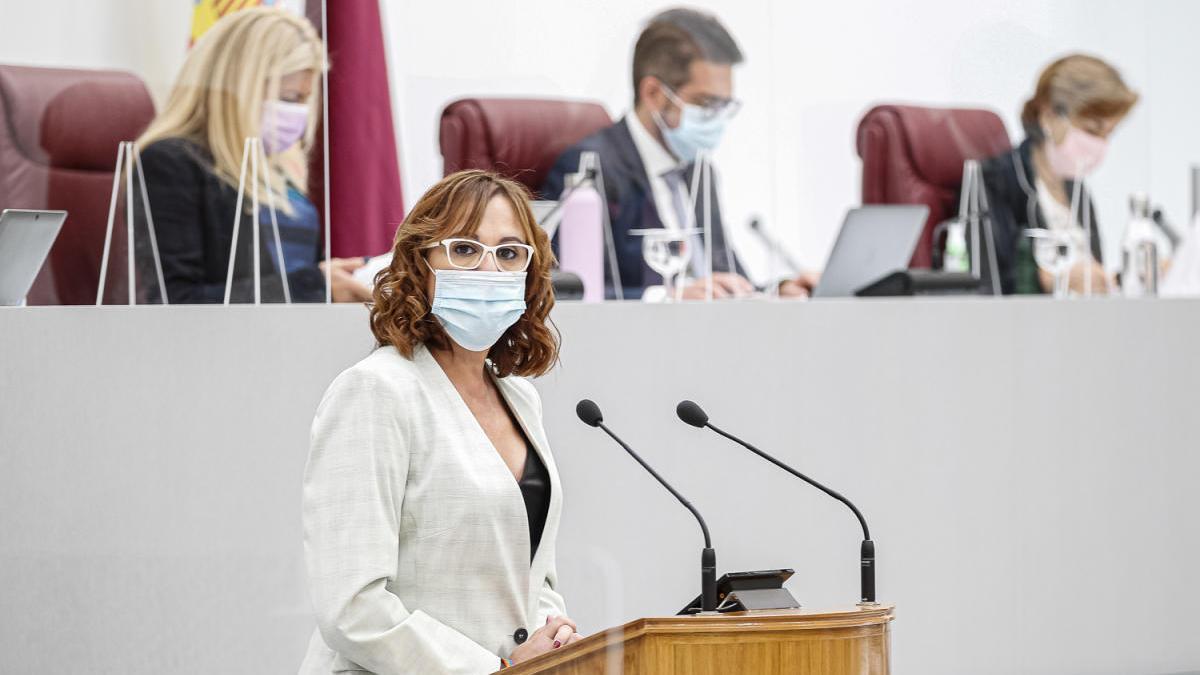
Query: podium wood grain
[{"x": 777, "y": 642}]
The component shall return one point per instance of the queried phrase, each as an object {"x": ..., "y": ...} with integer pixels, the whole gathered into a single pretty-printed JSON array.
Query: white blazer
[{"x": 415, "y": 532}]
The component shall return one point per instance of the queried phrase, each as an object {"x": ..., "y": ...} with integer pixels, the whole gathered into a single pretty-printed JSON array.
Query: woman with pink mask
[
  {"x": 254, "y": 73},
  {"x": 1078, "y": 103}
]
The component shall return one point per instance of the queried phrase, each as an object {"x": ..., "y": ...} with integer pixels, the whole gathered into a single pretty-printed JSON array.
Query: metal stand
[
  {"x": 1195, "y": 193},
  {"x": 252, "y": 151},
  {"x": 325, "y": 141},
  {"x": 973, "y": 210},
  {"x": 591, "y": 172},
  {"x": 129, "y": 158}
]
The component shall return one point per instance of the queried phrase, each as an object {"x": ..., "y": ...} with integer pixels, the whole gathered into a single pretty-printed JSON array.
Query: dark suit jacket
[
  {"x": 630, "y": 203},
  {"x": 193, "y": 213},
  {"x": 1011, "y": 209}
]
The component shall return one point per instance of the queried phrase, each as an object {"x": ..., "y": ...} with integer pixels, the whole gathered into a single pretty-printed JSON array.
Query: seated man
[{"x": 682, "y": 99}]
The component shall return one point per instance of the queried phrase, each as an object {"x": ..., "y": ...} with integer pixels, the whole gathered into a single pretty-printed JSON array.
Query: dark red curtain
[{"x": 365, "y": 202}]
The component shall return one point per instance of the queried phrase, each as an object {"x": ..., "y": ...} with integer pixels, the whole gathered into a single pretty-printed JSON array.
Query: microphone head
[
  {"x": 589, "y": 412},
  {"x": 691, "y": 414}
]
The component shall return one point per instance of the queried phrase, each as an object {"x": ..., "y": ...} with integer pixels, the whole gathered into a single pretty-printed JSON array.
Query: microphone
[
  {"x": 589, "y": 414},
  {"x": 694, "y": 415},
  {"x": 773, "y": 245},
  {"x": 1167, "y": 228}
]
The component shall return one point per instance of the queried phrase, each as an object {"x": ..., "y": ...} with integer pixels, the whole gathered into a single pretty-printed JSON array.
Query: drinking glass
[
  {"x": 1055, "y": 253},
  {"x": 668, "y": 252}
]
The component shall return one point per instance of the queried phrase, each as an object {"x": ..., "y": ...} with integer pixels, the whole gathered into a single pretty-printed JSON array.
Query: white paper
[
  {"x": 365, "y": 275},
  {"x": 1183, "y": 279}
]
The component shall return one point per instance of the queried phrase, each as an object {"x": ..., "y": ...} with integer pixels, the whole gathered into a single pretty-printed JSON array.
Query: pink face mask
[
  {"x": 1078, "y": 155},
  {"x": 283, "y": 125}
]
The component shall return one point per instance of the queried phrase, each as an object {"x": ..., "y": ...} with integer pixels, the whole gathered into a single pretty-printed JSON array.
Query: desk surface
[{"x": 1032, "y": 456}]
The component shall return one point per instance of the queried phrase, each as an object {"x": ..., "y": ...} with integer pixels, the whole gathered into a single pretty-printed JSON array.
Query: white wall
[
  {"x": 148, "y": 37},
  {"x": 811, "y": 71}
]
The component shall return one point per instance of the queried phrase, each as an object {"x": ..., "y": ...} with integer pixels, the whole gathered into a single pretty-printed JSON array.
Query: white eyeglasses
[{"x": 468, "y": 254}]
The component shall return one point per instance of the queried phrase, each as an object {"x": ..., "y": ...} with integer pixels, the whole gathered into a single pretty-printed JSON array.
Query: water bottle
[
  {"x": 1139, "y": 251},
  {"x": 581, "y": 236},
  {"x": 955, "y": 257}
]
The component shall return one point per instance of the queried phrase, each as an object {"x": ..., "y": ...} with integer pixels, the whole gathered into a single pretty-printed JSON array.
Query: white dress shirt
[
  {"x": 1059, "y": 219},
  {"x": 657, "y": 162},
  {"x": 415, "y": 531}
]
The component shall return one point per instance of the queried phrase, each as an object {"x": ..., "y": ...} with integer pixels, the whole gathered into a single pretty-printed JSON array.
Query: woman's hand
[
  {"x": 1102, "y": 282},
  {"x": 725, "y": 285},
  {"x": 800, "y": 287},
  {"x": 344, "y": 287},
  {"x": 558, "y": 631}
]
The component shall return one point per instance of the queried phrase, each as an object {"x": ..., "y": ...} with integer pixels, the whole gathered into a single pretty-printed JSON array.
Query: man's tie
[{"x": 676, "y": 181}]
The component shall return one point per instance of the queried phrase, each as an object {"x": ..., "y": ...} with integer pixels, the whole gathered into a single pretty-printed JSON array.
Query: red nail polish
[{"x": 557, "y": 644}]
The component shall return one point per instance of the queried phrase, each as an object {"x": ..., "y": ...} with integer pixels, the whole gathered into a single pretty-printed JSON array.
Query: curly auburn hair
[{"x": 400, "y": 313}]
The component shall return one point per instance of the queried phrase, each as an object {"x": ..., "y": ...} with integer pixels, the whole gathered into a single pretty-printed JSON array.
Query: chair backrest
[
  {"x": 519, "y": 138},
  {"x": 59, "y": 131},
  {"x": 915, "y": 155}
]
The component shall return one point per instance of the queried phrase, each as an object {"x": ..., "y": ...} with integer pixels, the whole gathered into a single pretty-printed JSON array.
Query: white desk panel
[{"x": 1027, "y": 468}]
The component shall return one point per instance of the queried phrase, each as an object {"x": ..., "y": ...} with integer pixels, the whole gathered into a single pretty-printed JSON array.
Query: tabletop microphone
[
  {"x": 589, "y": 414},
  {"x": 774, "y": 247},
  {"x": 694, "y": 415},
  {"x": 1160, "y": 219}
]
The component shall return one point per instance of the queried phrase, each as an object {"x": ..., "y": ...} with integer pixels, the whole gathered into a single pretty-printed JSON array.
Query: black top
[
  {"x": 535, "y": 488},
  {"x": 1011, "y": 182},
  {"x": 631, "y": 203},
  {"x": 193, "y": 214}
]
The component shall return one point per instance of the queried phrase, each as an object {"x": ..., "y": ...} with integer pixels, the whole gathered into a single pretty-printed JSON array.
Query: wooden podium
[{"x": 773, "y": 642}]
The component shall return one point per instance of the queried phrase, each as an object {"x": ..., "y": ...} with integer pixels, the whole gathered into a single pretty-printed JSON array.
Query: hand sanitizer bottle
[
  {"x": 581, "y": 236},
  {"x": 1139, "y": 251}
]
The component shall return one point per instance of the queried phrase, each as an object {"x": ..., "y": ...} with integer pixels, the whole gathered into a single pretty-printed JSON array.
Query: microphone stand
[
  {"x": 866, "y": 550},
  {"x": 589, "y": 413},
  {"x": 708, "y": 557}
]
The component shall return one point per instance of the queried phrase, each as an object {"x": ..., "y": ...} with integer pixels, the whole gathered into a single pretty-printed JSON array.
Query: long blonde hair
[{"x": 230, "y": 72}]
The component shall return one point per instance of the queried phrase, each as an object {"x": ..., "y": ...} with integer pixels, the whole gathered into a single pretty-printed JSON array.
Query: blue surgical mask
[
  {"x": 477, "y": 307},
  {"x": 698, "y": 130}
]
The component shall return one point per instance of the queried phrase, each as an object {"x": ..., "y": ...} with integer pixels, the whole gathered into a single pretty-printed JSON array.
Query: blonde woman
[
  {"x": 255, "y": 73},
  {"x": 1077, "y": 104}
]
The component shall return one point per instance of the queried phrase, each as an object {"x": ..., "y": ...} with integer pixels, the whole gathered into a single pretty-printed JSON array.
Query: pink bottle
[{"x": 581, "y": 239}]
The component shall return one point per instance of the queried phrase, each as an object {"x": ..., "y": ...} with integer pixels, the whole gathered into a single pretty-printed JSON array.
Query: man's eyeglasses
[
  {"x": 712, "y": 108},
  {"x": 468, "y": 254}
]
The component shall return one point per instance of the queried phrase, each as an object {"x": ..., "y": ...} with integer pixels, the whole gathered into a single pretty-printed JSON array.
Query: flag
[
  {"x": 365, "y": 203},
  {"x": 206, "y": 12}
]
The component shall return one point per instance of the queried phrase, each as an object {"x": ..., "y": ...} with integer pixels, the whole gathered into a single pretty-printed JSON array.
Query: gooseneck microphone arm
[
  {"x": 589, "y": 413},
  {"x": 682, "y": 500},
  {"x": 1167, "y": 228},
  {"x": 832, "y": 493},
  {"x": 694, "y": 415}
]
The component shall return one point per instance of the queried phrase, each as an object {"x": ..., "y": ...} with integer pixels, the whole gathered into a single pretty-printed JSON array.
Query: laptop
[
  {"x": 874, "y": 241},
  {"x": 25, "y": 241}
]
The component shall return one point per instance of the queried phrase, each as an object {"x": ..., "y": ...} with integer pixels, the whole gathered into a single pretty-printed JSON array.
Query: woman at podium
[{"x": 431, "y": 499}]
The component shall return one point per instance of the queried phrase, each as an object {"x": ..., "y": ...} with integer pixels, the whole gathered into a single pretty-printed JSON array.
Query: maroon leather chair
[
  {"x": 913, "y": 155},
  {"x": 59, "y": 131},
  {"x": 519, "y": 138}
]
